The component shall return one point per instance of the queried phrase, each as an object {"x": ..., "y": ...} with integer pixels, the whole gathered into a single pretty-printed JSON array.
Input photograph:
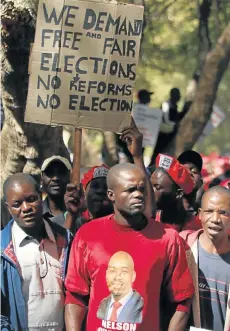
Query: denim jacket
[{"x": 13, "y": 303}]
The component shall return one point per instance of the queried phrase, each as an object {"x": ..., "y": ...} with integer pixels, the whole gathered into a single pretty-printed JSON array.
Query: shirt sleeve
[
  {"x": 184, "y": 306},
  {"x": 77, "y": 281},
  {"x": 178, "y": 283}
]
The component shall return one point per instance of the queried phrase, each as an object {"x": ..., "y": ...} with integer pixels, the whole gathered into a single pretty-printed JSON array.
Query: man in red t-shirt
[
  {"x": 95, "y": 187},
  {"x": 125, "y": 258},
  {"x": 172, "y": 181}
]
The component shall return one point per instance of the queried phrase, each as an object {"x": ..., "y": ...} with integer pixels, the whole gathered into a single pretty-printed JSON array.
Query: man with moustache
[
  {"x": 209, "y": 261},
  {"x": 124, "y": 304},
  {"x": 34, "y": 256},
  {"x": 157, "y": 253}
]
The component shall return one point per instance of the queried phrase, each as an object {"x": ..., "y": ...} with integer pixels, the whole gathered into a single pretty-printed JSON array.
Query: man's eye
[
  {"x": 16, "y": 204},
  {"x": 131, "y": 189},
  {"x": 157, "y": 187},
  {"x": 223, "y": 212},
  {"x": 32, "y": 199}
]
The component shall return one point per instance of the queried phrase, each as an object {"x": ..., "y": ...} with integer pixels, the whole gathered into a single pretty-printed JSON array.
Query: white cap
[{"x": 54, "y": 158}]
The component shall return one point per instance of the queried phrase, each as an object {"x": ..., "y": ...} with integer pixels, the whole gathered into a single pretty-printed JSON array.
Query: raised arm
[{"x": 133, "y": 137}]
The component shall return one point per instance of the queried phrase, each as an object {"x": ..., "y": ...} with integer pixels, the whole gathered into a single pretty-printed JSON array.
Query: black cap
[
  {"x": 142, "y": 94},
  {"x": 191, "y": 156}
]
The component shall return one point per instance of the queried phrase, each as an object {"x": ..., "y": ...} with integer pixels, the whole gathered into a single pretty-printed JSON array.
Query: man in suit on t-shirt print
[{"x": 124, "y": 304}]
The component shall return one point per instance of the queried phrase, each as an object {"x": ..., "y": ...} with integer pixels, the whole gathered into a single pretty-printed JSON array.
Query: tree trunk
[
  {"x": 24, "y": 145},
  {"x": 204, "y": 46},
  {"x": 193, "y": 123}
]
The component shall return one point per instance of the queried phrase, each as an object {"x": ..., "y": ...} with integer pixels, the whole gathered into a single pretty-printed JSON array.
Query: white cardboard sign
[{"x": 148, "y": 121}]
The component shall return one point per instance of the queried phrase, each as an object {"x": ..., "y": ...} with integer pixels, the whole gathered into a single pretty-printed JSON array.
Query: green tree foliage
[{"x": 170, "y": 54}]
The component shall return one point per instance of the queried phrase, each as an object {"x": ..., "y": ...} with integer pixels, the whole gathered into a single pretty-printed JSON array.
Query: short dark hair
[
  {"x": 17, "y": 178},
  {"x": 216, "y": 189}
]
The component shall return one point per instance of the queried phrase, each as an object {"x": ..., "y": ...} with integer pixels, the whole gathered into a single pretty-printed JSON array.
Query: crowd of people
[{"x": 129, "y": 248}]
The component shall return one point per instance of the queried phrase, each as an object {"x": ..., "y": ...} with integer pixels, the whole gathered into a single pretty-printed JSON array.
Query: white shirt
[
  {"x": 166, "y": 108},
  {"x": 123, "y": 302},
  {"x": 41, "y": 279}
]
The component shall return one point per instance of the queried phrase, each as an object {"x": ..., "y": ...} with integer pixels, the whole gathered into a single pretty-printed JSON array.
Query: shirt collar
[
  {"x": 123, "y": 300},
  {"x": 49, "y": 232},
  {"x": 20, "y": 235},
  {"x": 46, "y": 208}
]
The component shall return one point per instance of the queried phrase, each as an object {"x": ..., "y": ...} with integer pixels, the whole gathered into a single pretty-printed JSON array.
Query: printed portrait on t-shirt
[{"x": 124, "y": 304}]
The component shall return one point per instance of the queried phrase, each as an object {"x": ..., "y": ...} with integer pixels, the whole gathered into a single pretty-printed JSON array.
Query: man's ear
[
  {"x": 133, "y": 276},
  {"x": 6, "y": 205},
  {"x": 41, "y": 187},
  {"x": 179, "y": 193},
  {"x": 199, "y": 212},
  {"x": 110, "y": 195}
]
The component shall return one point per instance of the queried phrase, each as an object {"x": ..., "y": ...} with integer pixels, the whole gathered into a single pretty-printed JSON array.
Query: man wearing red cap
[
  {"x": 194, "y": 163},
  {"x": 171, "y": 181},
  {"x": 88, "y": 200}
]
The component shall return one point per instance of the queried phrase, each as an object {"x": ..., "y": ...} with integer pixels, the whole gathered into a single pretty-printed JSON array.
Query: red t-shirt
[
  {"x": 193, "y": 224},
  {"x": 157, "y": 259}
]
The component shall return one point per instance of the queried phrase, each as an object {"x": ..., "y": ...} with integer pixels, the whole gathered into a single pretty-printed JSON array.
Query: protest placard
[
  {"x": 216, "y": 118},
  {"x": 83, "y": 64},
  {"x": 148, "y": 121}
]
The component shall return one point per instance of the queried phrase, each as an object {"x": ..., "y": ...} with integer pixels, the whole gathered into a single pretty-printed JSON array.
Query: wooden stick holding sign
[
  {"x": 76, "y": 157},
  {"x": 70, "y": 221}
]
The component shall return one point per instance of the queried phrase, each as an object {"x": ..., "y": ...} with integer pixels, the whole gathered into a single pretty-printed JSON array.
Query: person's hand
[
  {"x": 74, "y": 199},
  {"x": 133, "y": 137}
]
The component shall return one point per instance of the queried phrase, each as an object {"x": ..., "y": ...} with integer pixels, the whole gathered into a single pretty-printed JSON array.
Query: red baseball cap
[
  {"x": 95, "y": 172},
  {"x": 179, "y": 173}
]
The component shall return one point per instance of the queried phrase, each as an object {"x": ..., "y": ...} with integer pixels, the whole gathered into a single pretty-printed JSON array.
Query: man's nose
[
  {"x": 192, "y": 174},
  {"x": 26, "y": 207},
  {"x": 118, "y": 275},
  {"x": 139, "y": 194},
  {"x": 55, "y": 178},
  {"x": 216, "y": 217}
]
